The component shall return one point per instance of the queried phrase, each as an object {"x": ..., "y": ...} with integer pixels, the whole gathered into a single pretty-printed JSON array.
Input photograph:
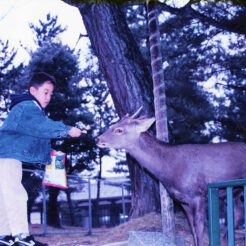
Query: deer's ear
[{"x": 144, "y": 124}]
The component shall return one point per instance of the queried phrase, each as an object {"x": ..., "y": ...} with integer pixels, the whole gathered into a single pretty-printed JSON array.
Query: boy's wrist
[{"x": 68, "y": 129}]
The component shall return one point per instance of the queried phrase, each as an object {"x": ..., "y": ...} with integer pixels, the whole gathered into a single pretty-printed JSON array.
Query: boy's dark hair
[{"x": 39, "y": 78}]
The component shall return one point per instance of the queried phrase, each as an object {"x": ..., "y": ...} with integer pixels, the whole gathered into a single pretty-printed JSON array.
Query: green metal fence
[{"x": 213, "y": 210}]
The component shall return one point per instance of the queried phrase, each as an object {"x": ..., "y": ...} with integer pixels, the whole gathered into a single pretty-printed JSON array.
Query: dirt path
[{"x": 150, "y": 222}]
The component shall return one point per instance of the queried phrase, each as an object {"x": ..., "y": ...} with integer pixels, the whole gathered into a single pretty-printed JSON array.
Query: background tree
[
  {"x": 65, "y": 106},
  {"x": 78, "y": 97},
  {"x": 9, "y": 74},
  {"x": 73, "y": 102},
  {"x": 47, "y": 31},
  {"x": 200, "y": 54},
  {"x": 103, "y": 113},
  {"x": 128, "y": 79},
  {"x": 167, "y": 207},
  {"x": 186, "y": 97}
]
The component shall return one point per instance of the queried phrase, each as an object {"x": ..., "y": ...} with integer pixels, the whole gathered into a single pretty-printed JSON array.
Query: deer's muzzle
[{"x": 101, "y": 143}]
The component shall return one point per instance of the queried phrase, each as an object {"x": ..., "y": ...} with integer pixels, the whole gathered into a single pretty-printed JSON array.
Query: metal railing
[
  {"x": 88, "y": 198},
  {"x": 213, "y": 210}
]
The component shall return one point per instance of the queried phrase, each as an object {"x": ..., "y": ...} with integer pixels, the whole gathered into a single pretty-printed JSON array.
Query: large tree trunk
[{"x": 129, "y": 82}]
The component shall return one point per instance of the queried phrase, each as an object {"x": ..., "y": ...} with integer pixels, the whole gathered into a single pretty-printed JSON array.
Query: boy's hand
[{"x": 75, "y": 132}]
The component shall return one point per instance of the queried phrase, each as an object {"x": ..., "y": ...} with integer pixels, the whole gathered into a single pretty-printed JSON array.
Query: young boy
[{"x": 25, "y": 137}]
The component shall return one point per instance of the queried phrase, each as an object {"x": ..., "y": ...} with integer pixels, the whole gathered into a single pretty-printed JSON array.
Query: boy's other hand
[{"x": 75, "y": 132}]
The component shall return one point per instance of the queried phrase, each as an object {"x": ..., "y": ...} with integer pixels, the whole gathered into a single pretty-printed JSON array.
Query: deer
[{"x": 184, "y": 170}]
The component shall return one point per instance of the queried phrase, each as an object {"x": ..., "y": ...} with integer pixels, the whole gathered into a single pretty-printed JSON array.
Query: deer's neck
[{"x": 149, "y": 152}]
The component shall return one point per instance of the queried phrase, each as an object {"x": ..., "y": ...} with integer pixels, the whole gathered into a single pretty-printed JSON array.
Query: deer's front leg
[
  {"x": 199, "y": 219},
  {"x": 190, "y": 215}
]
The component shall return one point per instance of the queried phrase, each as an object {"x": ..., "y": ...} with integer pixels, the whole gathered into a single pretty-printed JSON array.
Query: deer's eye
[{"x": 118, "y": 131}]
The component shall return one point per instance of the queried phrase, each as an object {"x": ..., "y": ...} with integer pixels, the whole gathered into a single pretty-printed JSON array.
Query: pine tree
[
  {"x": 75, "y": 102},
  {"x": 9, "y": 74}
]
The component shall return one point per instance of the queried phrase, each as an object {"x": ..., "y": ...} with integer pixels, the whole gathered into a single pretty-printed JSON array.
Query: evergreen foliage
[
  {"x": 189, "y": 107},
  {"x": 8, "y": 75},
  {"x": 205, "y": 46},
  {"x": 77, "y": 96},
  {"x": 47, "y": 31},
  {"x": 77, "y": 100}
]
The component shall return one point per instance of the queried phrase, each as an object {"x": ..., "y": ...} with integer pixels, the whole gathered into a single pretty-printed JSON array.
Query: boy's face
[{"x": 43, "y": 93}]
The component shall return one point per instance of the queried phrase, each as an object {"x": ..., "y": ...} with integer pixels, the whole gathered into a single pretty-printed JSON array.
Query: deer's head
[{"x": 125, "y": 133}]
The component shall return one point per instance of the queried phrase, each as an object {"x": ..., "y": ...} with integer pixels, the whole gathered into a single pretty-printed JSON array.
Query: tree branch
[
  {"x": 187, "y": 11},
  {"x": 232, "y": 86}
]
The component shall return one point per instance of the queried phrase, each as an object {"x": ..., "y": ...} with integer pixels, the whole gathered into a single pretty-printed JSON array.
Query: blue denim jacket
[{"x": 26, "y": 133}]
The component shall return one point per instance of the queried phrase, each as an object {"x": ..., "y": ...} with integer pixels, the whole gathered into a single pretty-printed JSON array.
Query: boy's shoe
[
  {"x": 8, "y": 240},
  {"x": 28, "y": 241}
]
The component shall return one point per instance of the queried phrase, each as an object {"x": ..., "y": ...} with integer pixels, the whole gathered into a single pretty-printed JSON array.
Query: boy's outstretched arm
[{"x": 32, "y": 122}]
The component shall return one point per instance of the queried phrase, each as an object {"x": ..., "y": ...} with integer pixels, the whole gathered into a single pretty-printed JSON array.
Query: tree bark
[
  {"x": 168, "y": 226},
  {"x": 129, "y": 81}
]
